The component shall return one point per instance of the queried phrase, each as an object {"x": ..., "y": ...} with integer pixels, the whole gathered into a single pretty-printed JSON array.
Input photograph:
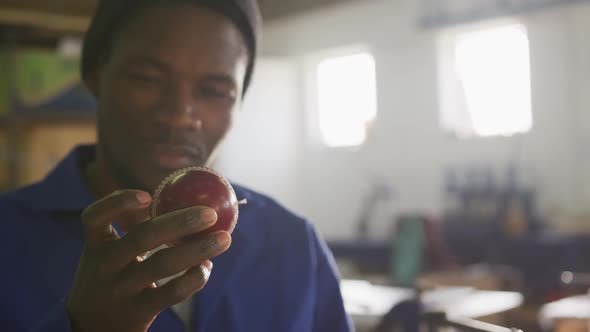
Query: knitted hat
[{"x": 245, "y": 14}]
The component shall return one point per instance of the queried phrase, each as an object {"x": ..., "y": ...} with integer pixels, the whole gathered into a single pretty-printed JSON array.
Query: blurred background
[{"x": 441, "y": 147}]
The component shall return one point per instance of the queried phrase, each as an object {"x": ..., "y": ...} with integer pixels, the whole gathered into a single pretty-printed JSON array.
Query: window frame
[
  {"x": 449, "y": 94},
  {"x": 312, "y": 110}
]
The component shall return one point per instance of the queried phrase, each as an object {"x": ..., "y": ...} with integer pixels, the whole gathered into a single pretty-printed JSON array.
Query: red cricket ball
[{"x": 198, "y": 186}]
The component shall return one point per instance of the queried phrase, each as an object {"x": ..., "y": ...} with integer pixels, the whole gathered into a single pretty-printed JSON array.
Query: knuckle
[
  {"x": 141, "y": 240},
  {"x": 138, "y": 244},
  {"x": 180, "y": 292},
  {"x": 131, "y": 241},
  {"x": 148, "y": 239},
  {"x": 124, "y": 198},
  {"x": 117, "y": 198},
  {"x": 187, "y": 218},
  {"x": 208, "y": 244},
  {"x": 163, "y": 265}
]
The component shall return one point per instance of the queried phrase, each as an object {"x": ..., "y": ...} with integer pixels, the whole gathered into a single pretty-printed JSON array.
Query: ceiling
[
  {"x": 274, "y": 9},
  {"x": 42, "y": 21}
]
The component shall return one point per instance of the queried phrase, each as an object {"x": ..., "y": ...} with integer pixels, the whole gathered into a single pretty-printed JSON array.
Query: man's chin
[
  {"x": 147, "y": 174},
  {"x": 141, "y": 176},
  {"x": 171, "y": 158}
]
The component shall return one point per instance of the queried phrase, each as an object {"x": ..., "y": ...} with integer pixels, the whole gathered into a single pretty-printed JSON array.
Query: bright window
[
  {"x": 347, "y": 99},
  {"x": 485, "y": 82}
]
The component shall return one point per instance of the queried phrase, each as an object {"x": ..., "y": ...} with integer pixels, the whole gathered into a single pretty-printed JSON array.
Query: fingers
[
  {"x": 171, "y": 261},
  {"x": 163, "y": 230},
  {"x": 133, "y": 218},
  {"x": 178, "y": 290},
  {"x": 98, "y": 217}
]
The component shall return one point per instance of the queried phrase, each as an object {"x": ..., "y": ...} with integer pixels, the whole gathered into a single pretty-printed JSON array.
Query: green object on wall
[
  {"x": 4, "y": 103},
  {"x": 42, "y": 75},
  {"x": 38, "y": 76}
]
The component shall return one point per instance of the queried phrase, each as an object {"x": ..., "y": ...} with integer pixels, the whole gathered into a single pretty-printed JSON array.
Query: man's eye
[
  {"x": 143, "y": 78},
  {"x": 217, "y": 93}
]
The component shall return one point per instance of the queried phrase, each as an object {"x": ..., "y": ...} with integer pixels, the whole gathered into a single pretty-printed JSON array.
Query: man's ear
[
  {"x": 93, "y": 77},
  {"x": 92, "y": 81}
]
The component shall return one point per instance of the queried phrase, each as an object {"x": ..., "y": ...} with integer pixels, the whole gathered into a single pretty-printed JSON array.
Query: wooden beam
[
  {"x": 44, "y": 20},
  {"x": 63, "y": 7}
]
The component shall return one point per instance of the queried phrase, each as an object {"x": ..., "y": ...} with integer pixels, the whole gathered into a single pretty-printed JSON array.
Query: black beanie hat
[{"x": 110, "y": 13}]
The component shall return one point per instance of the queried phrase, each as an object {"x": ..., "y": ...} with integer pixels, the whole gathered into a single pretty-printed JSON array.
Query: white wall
[
  {"x": 406, "y": 145},
  {"x": 579, "y": 73},
  {"x": 261, "y": 149}
]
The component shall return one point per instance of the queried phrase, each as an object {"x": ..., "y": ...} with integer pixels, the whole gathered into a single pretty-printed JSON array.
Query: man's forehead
[{"x": 243, "y": 14}]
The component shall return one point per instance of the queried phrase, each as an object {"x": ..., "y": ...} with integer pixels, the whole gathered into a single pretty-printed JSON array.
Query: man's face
[{"x": 167, "y": 90}]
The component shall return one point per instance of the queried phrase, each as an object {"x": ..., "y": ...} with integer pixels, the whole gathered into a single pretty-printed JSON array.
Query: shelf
[{"x": 46, "y": 117}]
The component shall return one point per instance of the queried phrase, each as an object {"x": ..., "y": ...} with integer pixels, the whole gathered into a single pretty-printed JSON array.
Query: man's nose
[{"x": 180, "y": 109}]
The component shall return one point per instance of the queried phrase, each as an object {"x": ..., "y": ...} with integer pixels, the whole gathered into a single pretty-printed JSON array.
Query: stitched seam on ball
[{"x": 170, "y": 177}]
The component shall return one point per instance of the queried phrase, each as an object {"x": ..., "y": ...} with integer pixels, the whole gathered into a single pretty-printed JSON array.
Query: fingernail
[
  {"x": 205, "y": 271},
  {"x": 207, "y": 264},
  {"x": 209, "y": 216},
  {"x": 143, "y": 198},
  {"x": 221, "y": 239}
]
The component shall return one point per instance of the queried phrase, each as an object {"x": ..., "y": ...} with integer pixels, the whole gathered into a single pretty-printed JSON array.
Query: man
[{"x": 168, "y": 75}]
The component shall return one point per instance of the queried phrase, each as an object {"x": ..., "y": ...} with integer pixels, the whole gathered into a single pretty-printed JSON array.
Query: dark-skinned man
[{"x": 168, "y": 77}]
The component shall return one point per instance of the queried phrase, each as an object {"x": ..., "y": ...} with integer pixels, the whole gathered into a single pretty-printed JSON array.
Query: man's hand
[{"x": 114, "y": 289}]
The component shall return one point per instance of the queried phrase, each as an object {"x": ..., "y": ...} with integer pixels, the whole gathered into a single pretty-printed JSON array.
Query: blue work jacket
[{"x": 278, "y": 275}]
